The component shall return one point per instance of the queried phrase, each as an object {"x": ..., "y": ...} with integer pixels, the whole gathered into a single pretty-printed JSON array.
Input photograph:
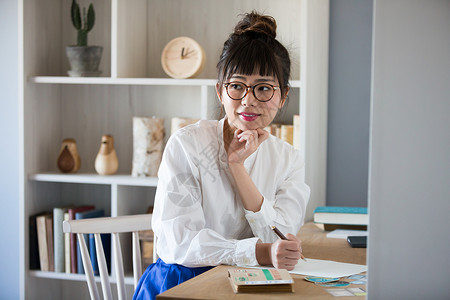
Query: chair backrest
[{"x": 114, "y": 226}]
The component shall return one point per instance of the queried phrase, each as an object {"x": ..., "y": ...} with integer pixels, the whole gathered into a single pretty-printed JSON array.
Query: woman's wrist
[
  {"x": 250, "y": 196},
  {"x": 236, "y": 167},
  {"x": 263, "y": 253}
]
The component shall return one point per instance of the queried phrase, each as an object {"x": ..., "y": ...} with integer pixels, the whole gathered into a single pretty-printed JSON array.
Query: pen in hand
[{"x": 281, "y": 236}]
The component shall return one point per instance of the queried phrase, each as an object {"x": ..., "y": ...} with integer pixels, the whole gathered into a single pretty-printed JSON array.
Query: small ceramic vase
[
  {"x": 68, "y": 160},
  {"x": 106, "y": 162}
]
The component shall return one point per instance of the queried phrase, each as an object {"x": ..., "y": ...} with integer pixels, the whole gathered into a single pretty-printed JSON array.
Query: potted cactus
[{"x": 83, "y": 59}]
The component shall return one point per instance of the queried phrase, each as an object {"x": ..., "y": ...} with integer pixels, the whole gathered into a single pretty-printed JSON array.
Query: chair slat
[
  {"x": 88, "y": 267},
  {"x": 103, "y": 268},
  {"x": 119, "y": 267},
  {"x": 110, "y": 225},
  {"x": 137, "y": 262}
]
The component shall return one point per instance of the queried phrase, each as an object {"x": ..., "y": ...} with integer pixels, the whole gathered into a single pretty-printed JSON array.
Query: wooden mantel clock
[{"x": 183, "y": 57}]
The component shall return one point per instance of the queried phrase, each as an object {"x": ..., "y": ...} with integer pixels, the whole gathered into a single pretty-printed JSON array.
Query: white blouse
[{"x": 199, "y": 219}]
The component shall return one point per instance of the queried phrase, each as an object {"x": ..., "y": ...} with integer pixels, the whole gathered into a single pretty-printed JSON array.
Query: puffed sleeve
[
  {"x": 286, "y": 208},
  {"x": 178, "y": 218}
]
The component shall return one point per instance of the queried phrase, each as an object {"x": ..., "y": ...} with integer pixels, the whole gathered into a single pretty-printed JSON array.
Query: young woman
[{"x": 223, "y": 184}]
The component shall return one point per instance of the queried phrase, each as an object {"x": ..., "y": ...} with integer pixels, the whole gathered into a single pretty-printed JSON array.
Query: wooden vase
[
  {"x": 68, "y": 160},
  {"x": 106, "y": 162}
]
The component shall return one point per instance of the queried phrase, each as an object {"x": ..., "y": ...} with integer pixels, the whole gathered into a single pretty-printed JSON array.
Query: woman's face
[{"x": 250, "y": 113}]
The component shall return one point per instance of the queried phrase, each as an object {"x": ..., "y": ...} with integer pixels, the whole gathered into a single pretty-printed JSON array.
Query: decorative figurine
[
  {"x": 68, "y": 160},
  {"x": 106, "y": 162},
  {"x": 148, "y": 143}
]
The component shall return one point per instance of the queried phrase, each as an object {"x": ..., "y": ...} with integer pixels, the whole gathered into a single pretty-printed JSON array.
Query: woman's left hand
[{"x": 244, "y": 143}]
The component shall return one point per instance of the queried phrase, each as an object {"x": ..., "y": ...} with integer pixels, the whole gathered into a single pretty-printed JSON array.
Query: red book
[{"x": 73, "y": 236}]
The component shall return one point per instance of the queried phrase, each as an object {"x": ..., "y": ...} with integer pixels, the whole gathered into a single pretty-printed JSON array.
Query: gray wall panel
[
  {"x": 349, "y": 102},
  {"x": 409, "y": 185}
]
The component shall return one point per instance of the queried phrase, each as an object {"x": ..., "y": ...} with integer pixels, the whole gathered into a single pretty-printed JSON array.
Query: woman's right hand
[
  {"x": 244, "y": 143},
  {"x": 286, "y": 253}
]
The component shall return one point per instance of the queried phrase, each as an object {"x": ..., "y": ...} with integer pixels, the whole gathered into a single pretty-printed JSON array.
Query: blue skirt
[{"x": 160, "y": 277}]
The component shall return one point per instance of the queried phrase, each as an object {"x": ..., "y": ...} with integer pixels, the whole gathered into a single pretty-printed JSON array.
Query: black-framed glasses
[{"x": 263, "y": 92}]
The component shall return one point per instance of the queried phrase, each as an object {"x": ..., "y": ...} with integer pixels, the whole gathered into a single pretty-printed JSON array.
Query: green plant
[{"x": 83, "y": 24}]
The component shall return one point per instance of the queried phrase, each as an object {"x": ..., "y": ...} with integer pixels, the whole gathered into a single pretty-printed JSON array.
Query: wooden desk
[{"x": 214, "y": 283}]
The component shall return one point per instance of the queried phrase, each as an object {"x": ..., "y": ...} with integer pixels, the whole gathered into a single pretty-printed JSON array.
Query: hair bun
[{"x": 255, "y": 23}]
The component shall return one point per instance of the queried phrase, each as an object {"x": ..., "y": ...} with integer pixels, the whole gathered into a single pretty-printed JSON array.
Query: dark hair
[{"x": 252, "y": 48}]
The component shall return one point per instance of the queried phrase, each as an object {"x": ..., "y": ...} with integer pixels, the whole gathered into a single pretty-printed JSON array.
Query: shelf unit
[
  {"x": 77, "y": 277},
  {"x": 89, "y": 178},
  {"x": 206, "y": 86},
  {"x": 133, "y": 34},
  {"x": 132, "y": 81}
]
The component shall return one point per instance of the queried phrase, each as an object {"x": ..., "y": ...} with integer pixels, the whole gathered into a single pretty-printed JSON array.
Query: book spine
[
  {"x": 42, "y": 242},
  {"x": 80, "y": 267},
  {"x": 73, "y": 253},
  {"x": 274, "y": 129},
  {"x": 106, "y": 242},
  {"x": 94, "y": 213},
  {"x": 58, "y": 242},
  {"x": 93, "y": 254},
  {"x": 278, "y": 131},
  {"x": 51, "y": 257},
  {"x": 341, "y": 210},
  {"x": 73, "y": 237},
  {"x": 66, "y": 247},
  {"x": 34, "y": 246},
  {"x": 287, "y": 133},
  {"x": 73, "y": 246}
]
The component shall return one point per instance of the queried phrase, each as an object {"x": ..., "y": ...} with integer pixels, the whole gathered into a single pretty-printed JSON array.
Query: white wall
[
  {"x": 409, "y": 181},
  {"x": 9, "y": 147}
]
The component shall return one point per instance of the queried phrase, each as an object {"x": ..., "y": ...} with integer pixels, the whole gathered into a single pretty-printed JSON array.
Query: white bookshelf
[
  {"x": 77, "y": 277},
  {"x": 123, "y": 81},
  {"x": 133, "y": 83},
  {"x": 118, "y": 179}
]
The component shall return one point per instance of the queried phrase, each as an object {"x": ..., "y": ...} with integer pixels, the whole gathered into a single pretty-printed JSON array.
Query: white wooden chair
[{"x": 114, "y": 226}]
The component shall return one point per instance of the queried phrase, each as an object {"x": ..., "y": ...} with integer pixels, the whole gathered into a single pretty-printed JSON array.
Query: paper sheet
[
  {"x": 327, "y": 268},
  {"x": 323, "y": 268}
]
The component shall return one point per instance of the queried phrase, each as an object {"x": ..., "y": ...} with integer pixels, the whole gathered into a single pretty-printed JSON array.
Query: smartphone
[{"x": 357, "y": 241}]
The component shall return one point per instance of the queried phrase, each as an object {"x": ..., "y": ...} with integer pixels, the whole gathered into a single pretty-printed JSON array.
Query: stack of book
[
  {"x": 288, "y": 133},
  {"x": 53, "y": 250},
  {"x": 146, "y": 240},
  {"x": 334, "y": 217},
  {"x": 260, "y": 280}
]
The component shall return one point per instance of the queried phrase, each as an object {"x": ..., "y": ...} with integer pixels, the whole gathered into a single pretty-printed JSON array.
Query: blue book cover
[
  {"x": 341, "y": 209},
  {"x": 106, "y": 242},
  {"x": 94, "y": 213}
]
